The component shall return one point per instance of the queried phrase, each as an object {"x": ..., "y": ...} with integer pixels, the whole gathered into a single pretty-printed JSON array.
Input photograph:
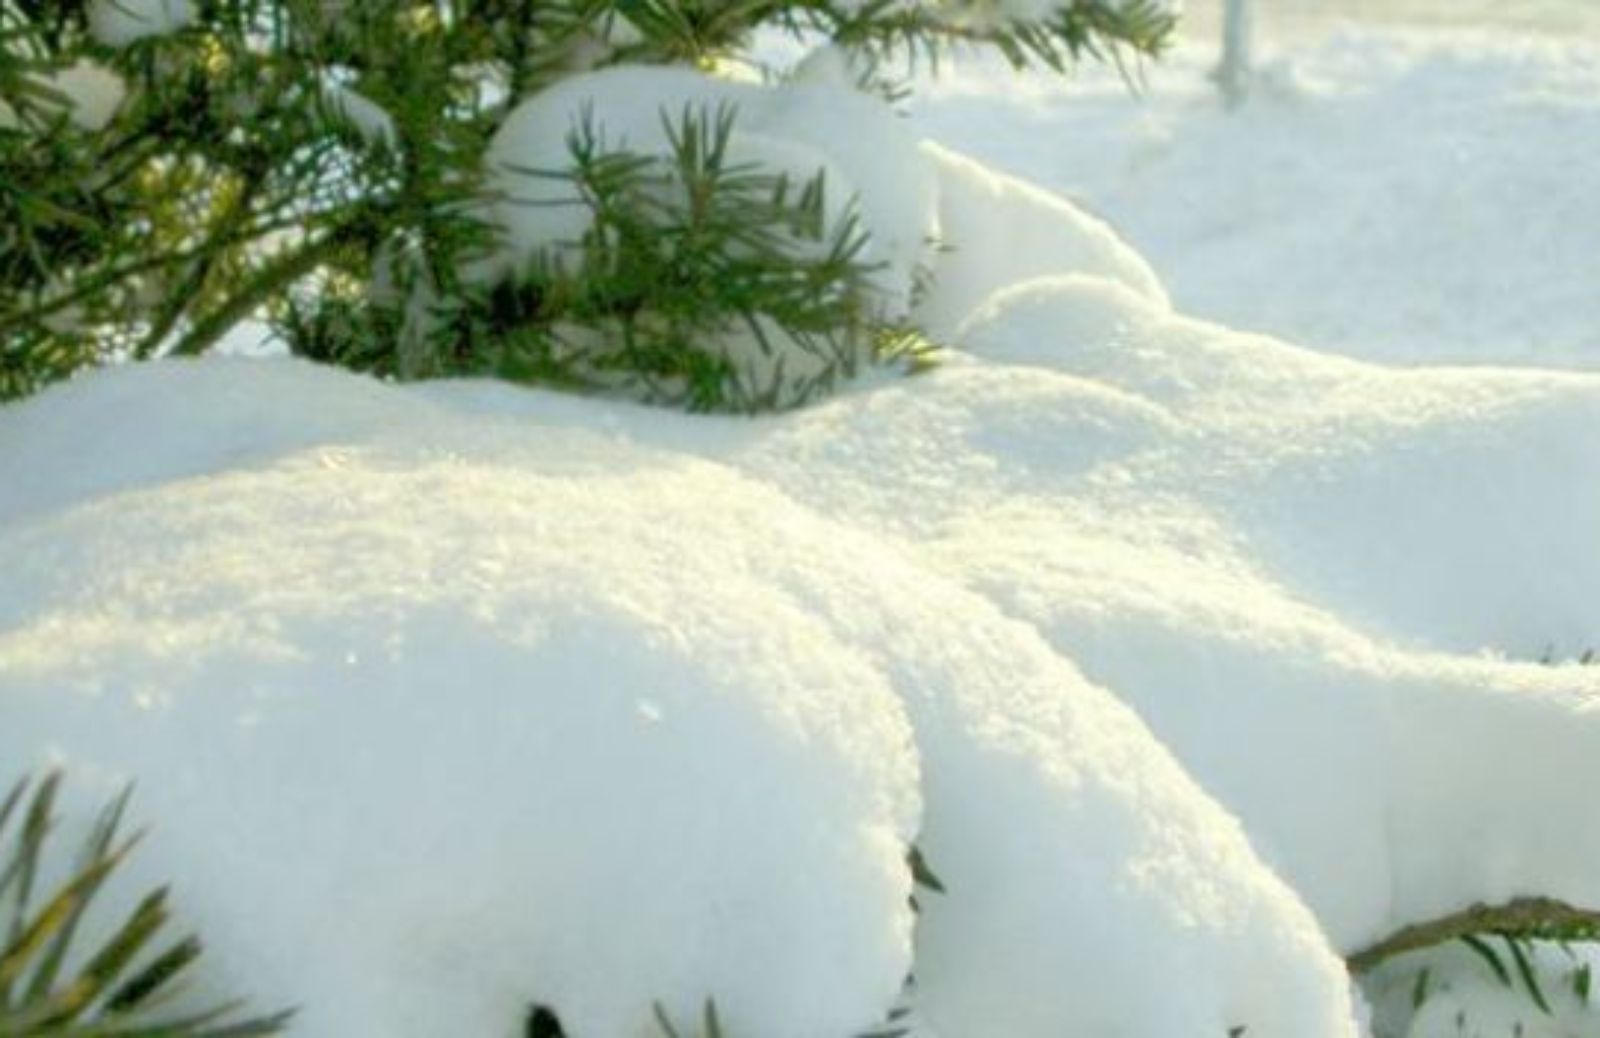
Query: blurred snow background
[
  {"x": 1409, "y": 182},
  {"x": 1282, "y": 19}
]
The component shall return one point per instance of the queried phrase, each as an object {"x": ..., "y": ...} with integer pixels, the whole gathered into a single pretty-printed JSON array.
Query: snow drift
[{"x": 593, "y": 724}]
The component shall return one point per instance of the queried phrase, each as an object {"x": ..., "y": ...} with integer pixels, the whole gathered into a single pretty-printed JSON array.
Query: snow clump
[
  {"x": 368, "y": 119},
  {"x": 869, "y": 158},
  {"x": 89, "y": 92},
  {"x": 119, "y": 23}
]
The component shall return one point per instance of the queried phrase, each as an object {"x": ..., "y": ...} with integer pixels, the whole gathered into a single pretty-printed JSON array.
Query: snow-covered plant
[
  {"x": 171, "y": 168},
  {"x": 52, "y": 988}
]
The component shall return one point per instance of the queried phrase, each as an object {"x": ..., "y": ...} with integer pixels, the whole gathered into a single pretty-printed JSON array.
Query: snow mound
[
  {"x": 539, "y": 725},
  {"x": 1001, "y": 231},
  {"x": 1153, "y": 494},
  {"x": 482, "y": 704}
]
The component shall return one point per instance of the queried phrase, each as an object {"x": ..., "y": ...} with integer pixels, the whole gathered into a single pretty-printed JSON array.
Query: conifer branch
[
  {"x": 115, "y": 241},
  {"x": 1528, "y": 917},
  {"x": 182, "y": 296},
  {"x": 266, "y": 284}
]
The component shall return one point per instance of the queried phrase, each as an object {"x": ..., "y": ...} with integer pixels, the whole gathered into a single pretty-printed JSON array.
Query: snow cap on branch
[
  {"x": 869, "y": 159},
  {"x": 91, "y": 94},
  {"x": 118, "y": 23}
]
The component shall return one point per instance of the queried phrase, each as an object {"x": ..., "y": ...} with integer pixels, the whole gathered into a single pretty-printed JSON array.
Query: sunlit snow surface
[{"x": 448, "y": 699}]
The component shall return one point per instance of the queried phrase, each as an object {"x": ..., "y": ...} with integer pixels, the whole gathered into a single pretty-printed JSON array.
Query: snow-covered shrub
[{"x": 366, "y": 174}]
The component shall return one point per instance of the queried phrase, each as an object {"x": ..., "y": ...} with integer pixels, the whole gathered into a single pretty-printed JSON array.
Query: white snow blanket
[
  {"x": 1187, "y": 658},
  {"x": 1405, "y": 196}
]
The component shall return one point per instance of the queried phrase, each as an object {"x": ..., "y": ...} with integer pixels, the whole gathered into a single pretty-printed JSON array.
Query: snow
[
  {"x": 1462, "y": 995},
  {"x": 1190, "y": 514},
  {"x": 1388, "y": 194},
  {"x": 1228, "y": 538},
  {"x": 868, "y": 161},
  {"x": 1002, "y": 231},
  {"x": 118, "y": 23},
  {"x": 682, "y": 763},
  {"x": 90, "y": 93},
  {"x": 573, "y": 762},
  {"x": 1192, "y": 655},
  {"x": 366, "y": 117}
]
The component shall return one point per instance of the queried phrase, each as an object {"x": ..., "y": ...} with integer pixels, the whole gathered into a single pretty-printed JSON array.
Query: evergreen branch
[
  {"x": 122, "y": 983},
  {"x": 181, "y": 297},
  {"x": 1531, "y": 917},
  {"x": 91, "y": 285},
  {"x": 269, "y": 282},
  {"x": 706, "y": 283}
]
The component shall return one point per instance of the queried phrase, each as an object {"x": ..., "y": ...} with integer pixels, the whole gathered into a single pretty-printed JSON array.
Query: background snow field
[
  {"x": 1191, "y": 656},
  {"x": 1394, "y": 194}
]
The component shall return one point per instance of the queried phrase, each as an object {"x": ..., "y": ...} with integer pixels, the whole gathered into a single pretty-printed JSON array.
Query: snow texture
[
  {"x": 1323, "y": 584},
  {"x": 479, "y": 697},
  {"x": 666, "y": 750},
  {"x": 1002, "y": 231}
]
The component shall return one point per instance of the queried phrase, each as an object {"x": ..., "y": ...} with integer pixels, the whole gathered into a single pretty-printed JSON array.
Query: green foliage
[
  {"x": 685, "y": 255},
  {"x": 235, "y": 180},
  {"x": 52, "y": 988}
]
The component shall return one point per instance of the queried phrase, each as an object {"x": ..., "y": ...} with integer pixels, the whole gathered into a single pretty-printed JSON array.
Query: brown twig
[{"x": 1528, "y": 916}]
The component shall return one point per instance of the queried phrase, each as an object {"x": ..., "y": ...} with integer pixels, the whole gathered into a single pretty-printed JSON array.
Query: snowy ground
[
  {"x": 1293, "y": 21},
  {"x": 1190, "y": 657},
  {"x": 1396, "y": 194}
]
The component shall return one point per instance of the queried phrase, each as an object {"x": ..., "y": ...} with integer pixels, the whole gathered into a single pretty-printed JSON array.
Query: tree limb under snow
[{"x": 1524, "y": 917}]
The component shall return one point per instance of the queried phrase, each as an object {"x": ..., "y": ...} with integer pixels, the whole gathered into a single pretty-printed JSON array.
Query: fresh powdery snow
[{"x": 1189, "y": 659}]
